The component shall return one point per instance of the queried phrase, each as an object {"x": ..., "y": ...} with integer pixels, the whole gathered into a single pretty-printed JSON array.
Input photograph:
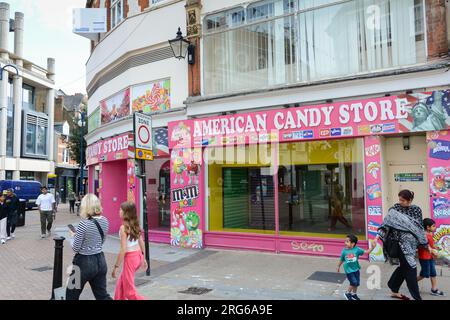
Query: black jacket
[
  {"x": 3, "y": 211},
  {"x": 12, "y": 203}
]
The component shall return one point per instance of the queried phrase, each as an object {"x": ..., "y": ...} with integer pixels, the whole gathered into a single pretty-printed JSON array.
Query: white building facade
[
  {"x": 26, "y": 105},
  {"x": 132, "y": 68}
]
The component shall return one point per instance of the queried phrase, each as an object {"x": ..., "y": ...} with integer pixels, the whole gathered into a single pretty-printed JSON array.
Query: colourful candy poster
[
  {"x": 438, "y": 144},
  {"x": 186, "y": 205},
  {"x": 151, "y": 97},
  {"x": 115, "y": 107},
  {"x": 374, "y": 208}
]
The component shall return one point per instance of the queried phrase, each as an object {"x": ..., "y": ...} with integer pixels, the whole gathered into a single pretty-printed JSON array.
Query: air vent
[
  {"x": 43, "y": 122},
  {"x": 31, "y": 119}
]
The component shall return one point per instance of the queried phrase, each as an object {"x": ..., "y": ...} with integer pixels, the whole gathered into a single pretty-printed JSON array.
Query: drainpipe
[{"x": 51, "y": 113}]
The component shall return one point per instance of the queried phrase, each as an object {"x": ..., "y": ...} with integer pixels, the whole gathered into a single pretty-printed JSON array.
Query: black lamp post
[
  {"x": 81, "y": 124},
  {"x": 4, "y": 67},
  {"x": 181, "y": 46}
]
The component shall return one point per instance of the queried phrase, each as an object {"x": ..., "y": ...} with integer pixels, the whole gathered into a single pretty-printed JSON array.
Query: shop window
[
  {"x": 241, "y": 189},
  {"x": 320, "y": 188}
]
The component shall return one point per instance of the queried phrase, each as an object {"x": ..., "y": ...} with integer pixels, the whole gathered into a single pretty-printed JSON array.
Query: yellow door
[{"x": 411, "y": 177}]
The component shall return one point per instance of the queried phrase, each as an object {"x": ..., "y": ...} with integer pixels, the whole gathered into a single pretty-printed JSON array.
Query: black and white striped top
[{"x": 87, "y": 240}]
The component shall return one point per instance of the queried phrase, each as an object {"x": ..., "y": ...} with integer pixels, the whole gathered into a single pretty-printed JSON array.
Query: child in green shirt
[{"x": 349, "y": 258}]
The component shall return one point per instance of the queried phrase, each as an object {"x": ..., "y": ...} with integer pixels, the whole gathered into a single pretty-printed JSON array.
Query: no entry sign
[{"x": 143, "y": 141}]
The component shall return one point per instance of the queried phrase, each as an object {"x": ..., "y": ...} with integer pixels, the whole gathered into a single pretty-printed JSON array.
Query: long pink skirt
[{"x": 125, "y": 289}]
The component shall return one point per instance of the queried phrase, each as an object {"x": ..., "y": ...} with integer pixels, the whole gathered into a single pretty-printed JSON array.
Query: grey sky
[{"x": 48, "y": 33}]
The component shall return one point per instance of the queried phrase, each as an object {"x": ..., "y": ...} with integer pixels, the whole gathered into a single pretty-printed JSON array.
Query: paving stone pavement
[{"x": 229, "y": 274}]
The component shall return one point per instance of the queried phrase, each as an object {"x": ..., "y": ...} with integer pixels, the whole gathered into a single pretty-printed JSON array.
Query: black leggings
[
  {"x": 11, "y": 224},
  {"x": 402, "y": 273},
  {"x": 72, "y": 206}
]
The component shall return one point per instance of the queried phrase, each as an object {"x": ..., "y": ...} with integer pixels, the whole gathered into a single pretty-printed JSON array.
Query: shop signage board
[
  {"x": 408, "y": 177},
  {"x": 143, "y": 138},
  {"x": 377, "y": 116}
]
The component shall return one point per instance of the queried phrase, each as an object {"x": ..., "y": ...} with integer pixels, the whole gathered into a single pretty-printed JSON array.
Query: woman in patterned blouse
[{"x": 405, "y": 228}]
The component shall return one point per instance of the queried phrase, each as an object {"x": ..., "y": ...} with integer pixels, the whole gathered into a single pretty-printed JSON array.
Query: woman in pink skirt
[{"x": 131, "y": 252}]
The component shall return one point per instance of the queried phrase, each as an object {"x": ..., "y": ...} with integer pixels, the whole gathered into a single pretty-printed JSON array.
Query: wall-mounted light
[
  {"x": 182, "y": 47},
  {"x": 406, "y": 145}
]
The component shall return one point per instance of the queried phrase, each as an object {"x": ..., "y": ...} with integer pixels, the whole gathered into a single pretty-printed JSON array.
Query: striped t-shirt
[{"x": 87, "y": 240}]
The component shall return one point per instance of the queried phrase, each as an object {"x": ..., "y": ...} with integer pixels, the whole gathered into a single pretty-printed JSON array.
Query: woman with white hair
[{"x": 89, "y": 263}]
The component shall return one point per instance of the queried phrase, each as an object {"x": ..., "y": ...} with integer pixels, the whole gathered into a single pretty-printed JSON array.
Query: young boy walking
[
  {"x": 426, "y": 258},
  {"x": 349, "y": 257}
]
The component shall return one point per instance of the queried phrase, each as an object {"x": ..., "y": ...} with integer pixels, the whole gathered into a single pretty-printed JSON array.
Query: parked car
[{"x": 24, "y": 189}]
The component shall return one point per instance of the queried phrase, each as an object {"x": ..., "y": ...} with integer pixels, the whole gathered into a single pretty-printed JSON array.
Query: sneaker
[
  {"x": 13, "y": 235},
  {"x": 348, "y": 296},
  {"x": 437, "y": 293},
  {"x": 355, "y": 297},
  {"x": 3, "y": 241},
  {"x": 49, "y": 233},
  {"x": 8, "y": 238},
  {"x": 42, "y": 236}
]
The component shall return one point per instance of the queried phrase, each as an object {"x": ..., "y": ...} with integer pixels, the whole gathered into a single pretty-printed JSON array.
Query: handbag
[{"x": 391, "y": 247}]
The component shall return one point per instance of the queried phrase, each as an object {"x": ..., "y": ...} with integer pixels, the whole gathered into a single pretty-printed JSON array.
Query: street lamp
[
  {"x": 4, "y": 67},
  {"x": 81, "y": 124},
  {"x": 180, "y": 46}
]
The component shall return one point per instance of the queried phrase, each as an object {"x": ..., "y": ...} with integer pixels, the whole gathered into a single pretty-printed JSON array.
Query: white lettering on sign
[
  {"x": 350, "y": 113},
  {"x": 103, "y": 147}
]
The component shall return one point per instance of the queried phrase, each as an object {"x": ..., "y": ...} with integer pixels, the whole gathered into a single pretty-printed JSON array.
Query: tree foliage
[{"x": 75, "y": 137}]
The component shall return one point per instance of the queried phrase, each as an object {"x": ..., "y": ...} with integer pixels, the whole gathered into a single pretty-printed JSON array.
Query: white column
[
  {"x": 4, "y": 33},
  {"x": 51, "y": 111},
  {"x": 17, "y": 83}
]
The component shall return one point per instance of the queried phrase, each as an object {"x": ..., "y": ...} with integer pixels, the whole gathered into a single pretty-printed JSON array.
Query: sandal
[{"x": 402, "y": 297}]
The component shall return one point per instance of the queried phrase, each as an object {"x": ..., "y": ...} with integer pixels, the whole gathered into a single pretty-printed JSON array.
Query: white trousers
[{"x": 3, "y": 234}]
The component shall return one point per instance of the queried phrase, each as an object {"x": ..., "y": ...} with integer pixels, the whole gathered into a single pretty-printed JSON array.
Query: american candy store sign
[{"x": 353, "y": 118}]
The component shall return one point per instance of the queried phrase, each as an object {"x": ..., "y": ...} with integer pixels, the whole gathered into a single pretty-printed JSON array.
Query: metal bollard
[{"x": 58, "y": 265}]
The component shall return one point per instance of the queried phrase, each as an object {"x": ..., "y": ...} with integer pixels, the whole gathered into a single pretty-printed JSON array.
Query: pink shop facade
[
  {"x": 299, "y": 179},
  {"x": 112, "y": 173}
]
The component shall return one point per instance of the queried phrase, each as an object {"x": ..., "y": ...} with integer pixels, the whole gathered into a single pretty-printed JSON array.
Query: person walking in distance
[
  {"x": 47, "y": 208},
  {"x": 131, "y": 252},
  {"x": 3, "y": 218},
  {"x": 12, "y": 204},
  {"x": 87, "y": 242},
  {"x": 71, "y": 199}
]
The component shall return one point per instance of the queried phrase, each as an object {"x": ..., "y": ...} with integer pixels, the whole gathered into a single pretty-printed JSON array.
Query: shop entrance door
[{"x": 411, "y": 177}]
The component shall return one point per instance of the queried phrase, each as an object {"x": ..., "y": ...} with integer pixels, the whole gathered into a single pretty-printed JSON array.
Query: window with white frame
[
  {"x": 65, "y": 156},
  {"x": 279, "y": 42},
  {"x": 116, "y": 12}
]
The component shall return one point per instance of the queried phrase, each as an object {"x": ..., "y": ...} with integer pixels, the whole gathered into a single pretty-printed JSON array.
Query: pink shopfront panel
[
  {"x": 439, "y": 183},
  {"x": 187, "y": 198}
]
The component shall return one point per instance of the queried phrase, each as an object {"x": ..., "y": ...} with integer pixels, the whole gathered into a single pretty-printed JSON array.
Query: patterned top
[
  {"x": 87, "y": 240},
  {"x": 407, "y": 241}
]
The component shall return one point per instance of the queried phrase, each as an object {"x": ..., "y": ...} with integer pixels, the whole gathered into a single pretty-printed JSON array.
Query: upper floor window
[
  {"x": 65, "y": 156},
  {"x": 279, "y": 42},
  {"x": 116, "y": 12},
  {"x": 28, "y": 97}
]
